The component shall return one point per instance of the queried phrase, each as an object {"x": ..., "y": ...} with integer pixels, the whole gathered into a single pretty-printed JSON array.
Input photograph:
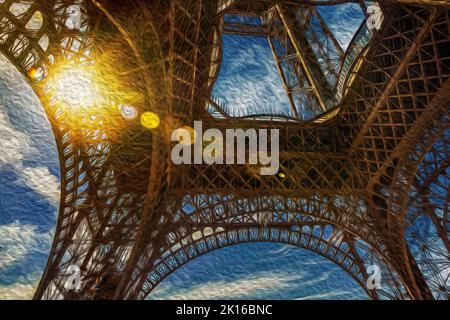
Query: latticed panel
[
  {"x": 427, "y": 221},
  {"x": 212, "y": 222},
  {"x": 185, "y": 22},
  {"x": 23, "y": 34},
  {"x": 399, "y": 83}
]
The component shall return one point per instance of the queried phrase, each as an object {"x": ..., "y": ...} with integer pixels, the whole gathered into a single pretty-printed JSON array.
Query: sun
[{"x": 76, "y": 87}]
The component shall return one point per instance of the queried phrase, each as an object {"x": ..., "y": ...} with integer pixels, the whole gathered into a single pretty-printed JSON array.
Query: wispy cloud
[
  {"x": 17, "y": 240},
  {"x": 15, "y": 146},
  {"x": 327, "y": 296},
  {"x": 24, "y": 133},
  {"x": 13, "y": 143},
  {"x": 240, "y": 288},
  {"x": 259, "y": 284},
  {"x": 42, "y": 181}
]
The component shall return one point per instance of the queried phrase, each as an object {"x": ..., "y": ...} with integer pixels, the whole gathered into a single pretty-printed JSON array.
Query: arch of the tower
[
  {"x": 207, "y": 223},
  {"x": 208, "y": 240}
]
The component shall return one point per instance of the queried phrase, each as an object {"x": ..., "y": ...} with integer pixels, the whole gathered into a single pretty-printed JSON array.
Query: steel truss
[{"x": 356, "y": 185}]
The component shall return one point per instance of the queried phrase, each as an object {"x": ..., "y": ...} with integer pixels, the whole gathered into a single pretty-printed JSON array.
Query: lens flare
[
  {"x": 128, "y": 112},
  {"x": 150, "y": 120},
  {"x": 36, "y": 73}
]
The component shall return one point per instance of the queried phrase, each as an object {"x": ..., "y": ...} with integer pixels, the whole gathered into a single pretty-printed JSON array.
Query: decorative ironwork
[{"x": 357, "y": 182}]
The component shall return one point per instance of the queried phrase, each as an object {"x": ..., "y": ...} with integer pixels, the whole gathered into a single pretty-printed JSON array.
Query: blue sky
[
  {"x": 29, "y": 193},
  {"x": 249, "y": 82}
]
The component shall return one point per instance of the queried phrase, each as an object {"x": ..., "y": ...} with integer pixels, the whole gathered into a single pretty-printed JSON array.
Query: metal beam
[
  {"x": 283, "y": 78},
  {"x": 301, "y": 56},
  {"x": 383, "y": 99}
]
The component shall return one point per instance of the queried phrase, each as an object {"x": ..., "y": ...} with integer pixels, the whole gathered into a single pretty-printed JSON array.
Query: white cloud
[
  {"x": 13, "y": 143},
  {"x": 15, "y": 146},
  {"x": 25, "y": 148},
  {"x": 17, "y": 240},
  {"x": 327, "y": 295},
  {"x": 42, "y": 181},
  {"x": 241, "y": 288}
]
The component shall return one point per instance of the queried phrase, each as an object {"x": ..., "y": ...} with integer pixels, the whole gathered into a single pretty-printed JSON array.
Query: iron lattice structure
[{"x": 364, "y": 150}]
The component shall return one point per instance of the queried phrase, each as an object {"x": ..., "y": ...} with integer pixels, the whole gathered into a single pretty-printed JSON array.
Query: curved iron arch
[
  {"x": 316, "y": 222},
  {"x": 234, "y": 236}
]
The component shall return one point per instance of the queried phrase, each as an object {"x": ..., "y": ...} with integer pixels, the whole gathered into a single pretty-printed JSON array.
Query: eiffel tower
[{"x": 364, "y": 147}]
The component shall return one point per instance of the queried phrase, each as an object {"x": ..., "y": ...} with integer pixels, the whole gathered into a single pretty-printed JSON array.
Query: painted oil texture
[
  {"x": 90, "y": 102},
  {"x": 29, "y": 193}
]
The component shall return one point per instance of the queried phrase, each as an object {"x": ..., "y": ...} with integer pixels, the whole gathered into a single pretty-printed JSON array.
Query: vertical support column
[
  {"x": 185, "y": 34},
  {"x": 302, "y": 58},
  {"x": 328, "y": 32},
  {"x": 283, "y": 77}
]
